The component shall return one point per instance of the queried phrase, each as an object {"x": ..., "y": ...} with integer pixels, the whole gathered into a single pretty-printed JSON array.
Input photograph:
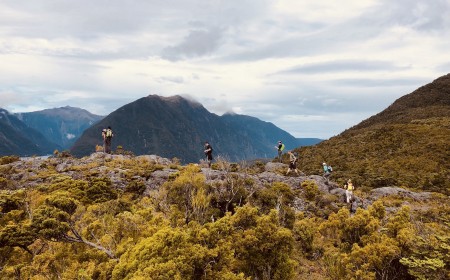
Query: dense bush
[{"x": 88, "y": 228}]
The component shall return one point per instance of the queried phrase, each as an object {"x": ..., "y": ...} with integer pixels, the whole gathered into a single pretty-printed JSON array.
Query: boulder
[{"x": 388, "y": 191}]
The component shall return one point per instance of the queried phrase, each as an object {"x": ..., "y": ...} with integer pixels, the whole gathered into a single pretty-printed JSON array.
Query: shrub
[
  {"x": 311, "y": 190},
  {"x": 8, "y": 159}
]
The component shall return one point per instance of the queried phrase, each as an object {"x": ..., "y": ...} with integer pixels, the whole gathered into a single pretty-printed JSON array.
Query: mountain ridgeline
[
  {"x": 62, "y": 126},
  {"x": 16, "y": 138},
  {"x": 407, "y": 144},
  {"x": 177, "y": 127}
]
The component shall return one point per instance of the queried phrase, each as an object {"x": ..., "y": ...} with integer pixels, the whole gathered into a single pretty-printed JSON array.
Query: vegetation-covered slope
[
  {"x": 124, "y": 217},
  {"x": 408, "y": 144}
]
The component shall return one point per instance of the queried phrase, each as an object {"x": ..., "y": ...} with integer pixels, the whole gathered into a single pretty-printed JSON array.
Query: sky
[{"x": 312, "y": 68}]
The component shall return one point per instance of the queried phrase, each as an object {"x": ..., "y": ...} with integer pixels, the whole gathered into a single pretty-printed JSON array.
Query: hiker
[
  {"x": 208, "y": 152},
  {"x": 292, "y": 163},
  {"x": 349, "y": 190},
  {"x": 107, "y": 135},
  {"x": 327, "y": 169},
  {"x": 353, "y": 205},
  {"x": 280, "y": 148}
]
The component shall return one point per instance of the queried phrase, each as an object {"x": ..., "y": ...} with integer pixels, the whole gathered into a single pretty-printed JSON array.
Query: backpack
[
  {"x": 109, "y": 133},
  {"x": 330, "y": 169},
  {"x": 296, "y": 157}
]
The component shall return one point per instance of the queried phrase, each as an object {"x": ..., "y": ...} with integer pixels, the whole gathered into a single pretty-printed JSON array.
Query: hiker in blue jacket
[{"x": 327, "y": 169}]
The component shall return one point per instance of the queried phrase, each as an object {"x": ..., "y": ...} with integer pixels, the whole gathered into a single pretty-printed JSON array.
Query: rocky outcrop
[
  {"x": 27, "y": 172},
  {"x": 400, "y": 192}
]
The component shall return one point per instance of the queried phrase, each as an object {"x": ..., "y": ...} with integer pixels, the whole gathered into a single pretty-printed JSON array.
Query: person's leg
[
  {"x": 209, "y": 159},
  {"x": 107, "y": 145}
]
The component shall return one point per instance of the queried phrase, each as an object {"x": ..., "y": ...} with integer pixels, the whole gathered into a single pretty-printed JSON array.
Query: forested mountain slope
[
  {"x": 16, "y": 138},
  {"x": 407, "y": 144},
  {"x": 177, "y": 127},
  {"x": 62, "y": 126}
]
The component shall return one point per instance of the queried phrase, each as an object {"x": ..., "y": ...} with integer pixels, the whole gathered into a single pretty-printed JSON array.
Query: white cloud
[
  {"x": 326, "y": 11},
  {"x": 294, "y": 63}
]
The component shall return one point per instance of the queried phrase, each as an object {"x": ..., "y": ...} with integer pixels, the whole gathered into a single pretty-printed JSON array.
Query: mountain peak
[
  {"x": 176, "y": 99},
  {"x": 177, "y": 126},
  {"x": 430, "y": 100}
]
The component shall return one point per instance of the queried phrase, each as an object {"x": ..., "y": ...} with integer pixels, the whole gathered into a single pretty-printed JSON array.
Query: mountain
[
  {"x": 16, "y": 138},
  {"x": 62, "y": 126},
  {"x": 407, "y": 144},
  {"x": 264, "y": 132},
  {"x": 177, "y": 127}
]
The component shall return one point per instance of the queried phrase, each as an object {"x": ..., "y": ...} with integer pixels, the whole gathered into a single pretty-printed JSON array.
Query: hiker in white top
[{"x": 292, "y": 163}]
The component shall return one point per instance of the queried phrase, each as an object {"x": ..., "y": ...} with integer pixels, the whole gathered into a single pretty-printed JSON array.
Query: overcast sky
[{"x": 313, "y": 68}]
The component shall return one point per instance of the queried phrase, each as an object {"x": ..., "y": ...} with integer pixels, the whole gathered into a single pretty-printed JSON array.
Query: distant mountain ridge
[
  {"x": 16, "y": 138},
  {"x": 407, "y": 144},
  {"x": 177, "y": 127},
  {"x": 62, "y": 126}
]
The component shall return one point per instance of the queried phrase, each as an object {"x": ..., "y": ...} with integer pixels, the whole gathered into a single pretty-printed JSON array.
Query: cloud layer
[{"x": 313, "y": 68}]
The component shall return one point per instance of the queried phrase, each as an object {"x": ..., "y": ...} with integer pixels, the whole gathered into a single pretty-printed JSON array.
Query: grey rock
[
  {"x": 388, "y": 191},
  {"x": 274, "y": 166}
]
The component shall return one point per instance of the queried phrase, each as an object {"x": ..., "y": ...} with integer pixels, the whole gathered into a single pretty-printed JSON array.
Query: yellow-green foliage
[
  {"x": 87, "y": 228},
  {"x": 227, "y": 249},
  {"x": 187, "y": 195},
  {"x": 3, "y": 183},
  {"x": 8, "y": 159},
  {"x": 311, "y": 190}
]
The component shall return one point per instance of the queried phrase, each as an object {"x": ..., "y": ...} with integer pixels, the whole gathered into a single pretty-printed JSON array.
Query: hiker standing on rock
[
  {"x": 327, "y": 169},
  {"x": 107, "y": 135},
  {"x": 292, "y": 163},
  {"x": 280, "y": 148},
  {"x": 208, "y": 152}
]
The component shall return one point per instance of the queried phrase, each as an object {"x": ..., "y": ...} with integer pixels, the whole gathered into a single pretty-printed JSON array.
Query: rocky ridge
[{"x": 26, "y": 173}]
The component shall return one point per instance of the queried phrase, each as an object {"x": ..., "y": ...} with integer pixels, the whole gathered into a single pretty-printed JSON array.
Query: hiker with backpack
[
  {"x": 107, "y": 135},
  {"x": 327, "y": 169},
  {"x": 280, "y": 148},
  {"x": 208, "y": 152},
  {"x": 292, "y": 163}
]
